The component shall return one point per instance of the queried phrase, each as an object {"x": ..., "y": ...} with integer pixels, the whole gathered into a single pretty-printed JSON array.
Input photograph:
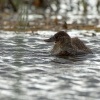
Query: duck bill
[{"x": 52, "y": 39}]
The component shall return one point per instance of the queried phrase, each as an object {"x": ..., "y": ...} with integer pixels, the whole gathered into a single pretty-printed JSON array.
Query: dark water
[{"x": 29, "y": 72}]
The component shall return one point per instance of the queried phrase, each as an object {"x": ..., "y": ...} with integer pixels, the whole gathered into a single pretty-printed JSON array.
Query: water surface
[{"x": 29, "y": 72}]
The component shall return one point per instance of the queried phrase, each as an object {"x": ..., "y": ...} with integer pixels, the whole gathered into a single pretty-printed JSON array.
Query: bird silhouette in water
[{"x": 64, "y": 45}]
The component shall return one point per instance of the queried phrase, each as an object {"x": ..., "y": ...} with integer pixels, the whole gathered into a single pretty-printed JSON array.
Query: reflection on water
[{"x": 29, "y": 72}]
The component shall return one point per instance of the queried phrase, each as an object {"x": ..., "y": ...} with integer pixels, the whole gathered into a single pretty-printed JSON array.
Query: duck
[{"x": 64, "y": 45}]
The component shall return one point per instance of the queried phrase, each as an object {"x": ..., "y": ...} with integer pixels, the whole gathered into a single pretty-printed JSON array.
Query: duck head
[{"x": 60, "y": 36}]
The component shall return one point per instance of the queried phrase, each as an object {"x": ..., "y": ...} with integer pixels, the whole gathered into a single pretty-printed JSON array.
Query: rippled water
[{"x": 29, "y": 72}]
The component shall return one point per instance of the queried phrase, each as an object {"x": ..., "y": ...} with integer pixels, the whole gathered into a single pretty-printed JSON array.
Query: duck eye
[{"x": 57, "y": 38}]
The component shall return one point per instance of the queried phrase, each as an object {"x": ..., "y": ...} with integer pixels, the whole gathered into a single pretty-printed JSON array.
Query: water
[{"x": 29, "y": 72}]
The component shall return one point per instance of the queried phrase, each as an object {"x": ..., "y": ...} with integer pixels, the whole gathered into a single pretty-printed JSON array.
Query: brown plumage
[{"x": 67, "y": 46}]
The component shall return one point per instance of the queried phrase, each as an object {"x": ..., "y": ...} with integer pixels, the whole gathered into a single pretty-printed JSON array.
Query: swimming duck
[{"x": 64, "y": 45}]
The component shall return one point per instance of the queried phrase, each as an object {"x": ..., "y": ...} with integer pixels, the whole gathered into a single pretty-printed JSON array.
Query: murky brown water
[{"x": 29, "y": 72}]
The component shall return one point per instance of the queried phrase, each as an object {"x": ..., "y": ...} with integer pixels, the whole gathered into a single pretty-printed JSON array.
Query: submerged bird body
[{"x": 67, "y": 46}]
